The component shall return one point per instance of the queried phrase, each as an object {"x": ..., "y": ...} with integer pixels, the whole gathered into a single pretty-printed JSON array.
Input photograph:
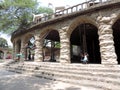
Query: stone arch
[
  {"x": 44, "y": 32},
  {"x": 84, "y": 31},
  {"x": 80, "y": 20},
  {"x": 50, "y": 52},
  {"x": 115, "y": 17},
  {"x": 29, "y": 49},
  {"x": 116, "y": 35},
  {"x": 28, "y": 36}
]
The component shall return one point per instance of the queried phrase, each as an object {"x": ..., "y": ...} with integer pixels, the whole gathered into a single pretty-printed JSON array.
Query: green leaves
[
  {"x": 17, "y": 14},
  {"x": 45, "y": 9},
  {"x": 3, "y": 43},
  {"x": 19, "y": 3}
]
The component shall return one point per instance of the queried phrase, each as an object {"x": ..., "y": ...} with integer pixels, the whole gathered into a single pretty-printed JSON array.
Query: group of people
[
  {"x": 30, "y": 53},
  {"x": 84, "y": 58}
]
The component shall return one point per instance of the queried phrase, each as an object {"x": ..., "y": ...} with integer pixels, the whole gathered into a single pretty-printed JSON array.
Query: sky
[
  {"x": 7, "y": 37},
  {"x": 55, "y": 3}
]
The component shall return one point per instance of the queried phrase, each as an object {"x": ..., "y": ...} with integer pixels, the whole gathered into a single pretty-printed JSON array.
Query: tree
[
  {"x": 14, "y": 14},
  {"x": 44, "y": 9},
  {"x": 3, "y": 43},
  {"x": 17, "y": 14}
]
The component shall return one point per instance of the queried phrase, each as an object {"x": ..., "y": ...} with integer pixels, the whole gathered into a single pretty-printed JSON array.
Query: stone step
[
  {"x": 107, "y": 69},
  {"x": 74, "y": 82},
  {"x": 111, "y": 73},
  {"x": 20, "y": 69},
  {"x": 70, "y": 76},
  {"x": 69, "y": 68},
  {"x": 79, "y": 81},
  {"x": 81, "y": 72},
  {"x": 79, "y": 76},
  {"x": 81, "y": 69},
  {"x": 81, "y": 66},
  {"x": 74, "y": 66},
  {"x": 49, "y": 64},
  {"x": 101, "y": 78}
]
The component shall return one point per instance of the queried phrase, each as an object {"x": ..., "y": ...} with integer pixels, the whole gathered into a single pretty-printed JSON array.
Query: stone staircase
[{"x": 96, "y": 77}]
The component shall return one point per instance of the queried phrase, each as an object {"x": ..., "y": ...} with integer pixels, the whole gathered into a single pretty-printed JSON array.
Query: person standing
[{"x": 85, "y": 58}]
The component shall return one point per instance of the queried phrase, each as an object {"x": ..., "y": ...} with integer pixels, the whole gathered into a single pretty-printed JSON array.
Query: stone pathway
[{"x": 14, "y": 81}]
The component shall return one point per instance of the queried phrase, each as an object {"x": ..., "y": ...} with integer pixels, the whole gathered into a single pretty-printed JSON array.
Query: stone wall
[{"x": 102, "y": 19}]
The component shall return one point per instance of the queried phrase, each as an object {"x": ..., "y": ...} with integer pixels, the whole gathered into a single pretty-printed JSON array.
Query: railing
[{"x": 76, "y": 8}]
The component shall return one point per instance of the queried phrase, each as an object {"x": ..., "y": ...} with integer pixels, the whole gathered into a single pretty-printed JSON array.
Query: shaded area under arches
[
  {"x": 51, "y": 47},
  {"x": 1, "y": 54},
  {"x": 85, "y": 39},
  {"x": 116, "y": 35},
  {"x": 30, "y": 48},
  {"x": 53, "y": 35}
]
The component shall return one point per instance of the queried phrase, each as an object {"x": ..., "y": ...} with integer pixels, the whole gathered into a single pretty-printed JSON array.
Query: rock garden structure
[
  {"x": 55, "y": 41},
  {"x": 92, "y": 27}
]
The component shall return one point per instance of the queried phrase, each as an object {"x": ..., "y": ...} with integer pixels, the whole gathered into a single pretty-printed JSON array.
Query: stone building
[
  {"x": 94, "y": 29},
  {"x": 5, "y": 53}
]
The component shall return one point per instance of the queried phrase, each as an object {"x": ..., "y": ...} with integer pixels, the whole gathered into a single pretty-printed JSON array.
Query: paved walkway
[{"x": 14, "y": 81}]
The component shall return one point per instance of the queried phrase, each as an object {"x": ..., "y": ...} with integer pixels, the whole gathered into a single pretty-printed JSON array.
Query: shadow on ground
[{"x": 14, "y": 81}]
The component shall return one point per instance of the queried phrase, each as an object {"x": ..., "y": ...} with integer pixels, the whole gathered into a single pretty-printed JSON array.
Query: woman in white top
[{"x": 85, "y": 60}]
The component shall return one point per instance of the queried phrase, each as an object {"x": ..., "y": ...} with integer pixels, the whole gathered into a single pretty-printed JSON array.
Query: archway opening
[
  {"x": 1, "y": 54},
  {"x": 30, "y": 48},
  {"x": 116, "y": 35},
  {"x": 84, "y": 39},
  {"x": 51, "y": 47}
]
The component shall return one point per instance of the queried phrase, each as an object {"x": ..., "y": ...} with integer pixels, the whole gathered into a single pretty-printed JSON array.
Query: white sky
[
  {"x": 7, "y": 37},
  {"x": 57, "y": 3}
]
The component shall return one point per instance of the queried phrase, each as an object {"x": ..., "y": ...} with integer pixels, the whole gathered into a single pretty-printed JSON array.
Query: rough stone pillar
[
  {"x": 107, "y": 49},
  {"x": 65, "y": 46},
  {"x": 23, "y": 49},
  {"x": 16, "y": 50},
  {"x": 5, "y": 54},
  {"x": 38, "y": 50},
  {"x": 13, "y": 56}
]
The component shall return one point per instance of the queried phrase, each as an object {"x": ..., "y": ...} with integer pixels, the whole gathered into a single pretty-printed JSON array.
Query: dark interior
[
  {"x": 116, "y": 34},
  {"x": 53, "y": 36},
  {"x": 85, "y": 36},
  {"x": 1, "y": 54}
]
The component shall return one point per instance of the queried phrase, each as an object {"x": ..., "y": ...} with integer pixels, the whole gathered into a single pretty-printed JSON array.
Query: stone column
[
  {"x": 107, "y": 49},
  {"x": 23, "y": 49},
  {"x": 39, "y": 47},
  {"x": 65, "y": 46},
  {"x": 13, "y": 52},
  {"x": 16, "y": 49},
  {"x": 5, "y": 54}
]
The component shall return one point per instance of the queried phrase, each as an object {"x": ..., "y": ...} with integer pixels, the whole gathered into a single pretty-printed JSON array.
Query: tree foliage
[
  {"x": 44, "y": 9},
  {"x": 3, "y": 43},
  {"x": 17, "y": 14}
]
